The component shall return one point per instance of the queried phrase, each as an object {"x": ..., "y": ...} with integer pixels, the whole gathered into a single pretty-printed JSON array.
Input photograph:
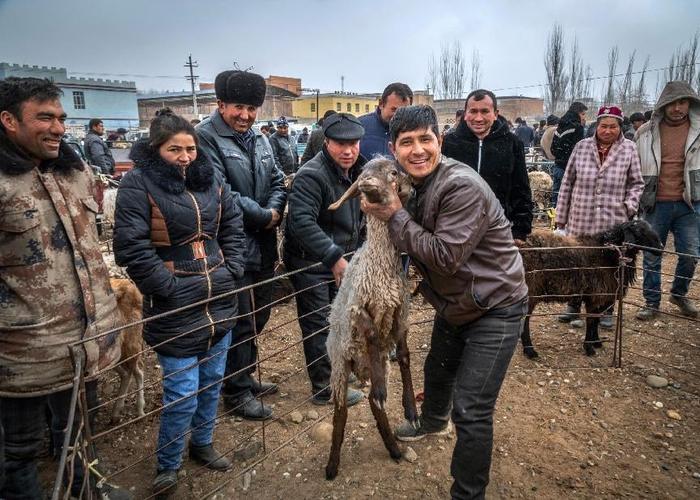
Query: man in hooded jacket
[
  {"x": 669, "y": 151},
  {"x": 482, "y": 141}
]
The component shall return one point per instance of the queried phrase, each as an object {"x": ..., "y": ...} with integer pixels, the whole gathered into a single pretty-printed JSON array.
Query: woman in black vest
[{"x": 179, "y": 233}]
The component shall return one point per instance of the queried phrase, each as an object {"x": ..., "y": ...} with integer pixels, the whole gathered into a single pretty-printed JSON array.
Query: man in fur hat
[{"x": 246, "y": 160}]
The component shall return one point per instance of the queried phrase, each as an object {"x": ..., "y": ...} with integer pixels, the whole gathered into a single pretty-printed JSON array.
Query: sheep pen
[
  {"x": 369, "y": 315},
  {"x": 567, "y": 267}
]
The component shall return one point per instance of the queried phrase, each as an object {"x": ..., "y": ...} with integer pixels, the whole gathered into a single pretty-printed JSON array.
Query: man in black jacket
[
  {"x": 284, "y": 147},
  {"x": 316, "y": 139},
  {"x": 482, "y": 141},
  {"x": 245, "y": 159},
  {"x": 313, "y": 234},
  {"x": 96, "y": 150},
  {"x": 569, "y": 132}
]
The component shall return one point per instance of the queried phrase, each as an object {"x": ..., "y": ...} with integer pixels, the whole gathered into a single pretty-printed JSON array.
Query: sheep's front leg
[
  {"x": 377, "y": 375},
  {"x": 340, "y": 416},
  {"x": 408, "y": 397},
  {"x": 592, "y": 320}
]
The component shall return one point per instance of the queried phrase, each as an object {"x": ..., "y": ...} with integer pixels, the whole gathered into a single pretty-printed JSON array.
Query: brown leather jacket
[
  {"x": 54, "y": 285},
  {"x": 461, "y": 243}
]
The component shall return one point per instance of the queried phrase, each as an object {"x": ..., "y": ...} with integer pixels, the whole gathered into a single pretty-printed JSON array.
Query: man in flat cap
[
  {"x": 284, "y": 147},
  {"x": 315, "y": 234},
  {"x": 246, "y": 160}
]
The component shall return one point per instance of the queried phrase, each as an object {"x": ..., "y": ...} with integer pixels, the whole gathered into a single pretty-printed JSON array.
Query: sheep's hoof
[
  {"x": 530, "y": 352},
  {"x": 331, "y": 472},
  {"x": 590, "y": 351},
  {"x": 396, "y": 454}
]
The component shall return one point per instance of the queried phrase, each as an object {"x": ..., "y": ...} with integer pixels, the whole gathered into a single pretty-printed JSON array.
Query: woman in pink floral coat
[{"x": 601, "y": 187}]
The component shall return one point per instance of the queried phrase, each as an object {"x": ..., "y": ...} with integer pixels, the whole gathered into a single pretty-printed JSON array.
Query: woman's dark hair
[
  {"x": 167, "y": 124},
  {"x": 410, "y": 118}
]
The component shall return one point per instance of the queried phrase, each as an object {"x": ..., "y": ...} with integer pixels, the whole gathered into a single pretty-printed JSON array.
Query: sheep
[
  {"x": 109, "y": 201},
  {"x": 555, "y": 275},
  {"x": 369, "y": 315},
  {"x": 541, "y": 187},
  {"x": 129, "y": 301}
]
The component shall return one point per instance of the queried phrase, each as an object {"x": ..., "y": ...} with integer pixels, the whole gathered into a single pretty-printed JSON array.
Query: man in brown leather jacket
[{"x": 459, "y": 239}]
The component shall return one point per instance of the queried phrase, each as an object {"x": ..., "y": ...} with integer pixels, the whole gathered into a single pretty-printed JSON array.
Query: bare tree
[
  {"x": 475, "y": 70},
  {"x": 640, "y": 93},
  {"x": 578, "y": 83},
  {"x": 554, "y": 65},
  {"x": 446, "y": 75},
  {"x": 431, "y": 78},
  {"x": 625, "y": 90},
  {"x": 683, "y": 63},
  {"x": 612, "y": 68}
]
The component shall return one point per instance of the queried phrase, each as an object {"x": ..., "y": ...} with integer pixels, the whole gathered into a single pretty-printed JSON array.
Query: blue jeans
[
  {"x": 682, "y": 221},
  {"x": 557, "y": 176},
  {"x": 196, "y": 413},
  {"x": 464, "y": 371}
]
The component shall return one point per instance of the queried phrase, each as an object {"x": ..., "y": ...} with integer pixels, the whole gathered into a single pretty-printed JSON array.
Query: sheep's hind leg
[
  {"x": 340, "y": 417},
  {"x": 408, "y": 397},
  {"x": 377, "y": 398}
]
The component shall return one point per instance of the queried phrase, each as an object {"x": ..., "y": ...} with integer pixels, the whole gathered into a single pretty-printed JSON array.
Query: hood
[
  {"x": 200, "y": 173},
  {"x": 14, "y": 161},
  {"x": 674, "y": 91}
]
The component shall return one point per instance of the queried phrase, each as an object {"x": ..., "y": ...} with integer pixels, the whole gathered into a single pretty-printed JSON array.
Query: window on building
[
  {"x": 313, "y": 107},
  {"x": 79, "y": 100},
  {"x": 366, "y": 108},
  {"x": 349, "y": 107},
  {"x": 357, "y": 108},
  {"x": 338, "y": 107}
]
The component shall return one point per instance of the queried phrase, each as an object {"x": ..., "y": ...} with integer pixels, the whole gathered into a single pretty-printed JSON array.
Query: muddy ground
[{"x": 565, "y": 424}]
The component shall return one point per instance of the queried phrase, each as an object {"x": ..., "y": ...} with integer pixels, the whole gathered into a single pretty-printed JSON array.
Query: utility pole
[{"x": 192, "y": 78}]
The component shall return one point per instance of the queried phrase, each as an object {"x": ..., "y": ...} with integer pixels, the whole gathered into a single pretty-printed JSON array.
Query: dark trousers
[
  {"x": 24, "y": 421},
  {"x": 463, "y": 372},
  {"x": 317, "y": 294},
  {"x": 246, "y": 354},
  {"x": 557, "y": 177}
]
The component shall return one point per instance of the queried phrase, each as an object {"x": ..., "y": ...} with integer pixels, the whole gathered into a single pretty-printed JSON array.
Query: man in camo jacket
[{"x": 54, "y": 285}]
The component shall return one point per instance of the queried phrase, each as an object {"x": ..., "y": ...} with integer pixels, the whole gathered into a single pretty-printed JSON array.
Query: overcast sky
[{"x": 370, "y": 42}]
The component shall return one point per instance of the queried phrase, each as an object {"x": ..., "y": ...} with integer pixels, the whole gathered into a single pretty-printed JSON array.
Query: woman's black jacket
[{"x": 181, "y": 240}]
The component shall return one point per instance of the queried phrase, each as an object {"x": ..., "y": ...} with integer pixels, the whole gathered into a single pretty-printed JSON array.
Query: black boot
[
  {"x": 207, "y": 455},
  {"x": 165, "y": 483},
  {"x": 248, "y": 407},
  {"x": 263, "y": 388}
]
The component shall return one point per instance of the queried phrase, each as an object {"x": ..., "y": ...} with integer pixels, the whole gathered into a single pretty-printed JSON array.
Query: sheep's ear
[{"x": 352, "y": 192}]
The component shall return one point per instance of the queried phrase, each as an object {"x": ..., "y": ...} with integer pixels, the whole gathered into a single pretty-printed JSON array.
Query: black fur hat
[{"x": 240, "y": 87}]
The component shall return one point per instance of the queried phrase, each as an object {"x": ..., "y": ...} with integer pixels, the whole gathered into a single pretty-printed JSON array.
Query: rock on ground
[{"x": 656, "y": 382}]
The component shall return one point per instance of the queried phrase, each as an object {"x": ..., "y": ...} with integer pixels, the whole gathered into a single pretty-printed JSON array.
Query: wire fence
[{"x": 83, "y": 443}]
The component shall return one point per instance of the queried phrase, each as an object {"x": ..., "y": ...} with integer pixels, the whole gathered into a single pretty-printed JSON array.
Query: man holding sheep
[{"x": 458, "y": 237}]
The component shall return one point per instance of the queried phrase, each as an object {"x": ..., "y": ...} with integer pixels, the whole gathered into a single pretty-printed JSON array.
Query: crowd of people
[{"x": 198, "y": 218}]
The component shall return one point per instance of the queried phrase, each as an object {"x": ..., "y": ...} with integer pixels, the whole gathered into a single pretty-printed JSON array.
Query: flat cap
[{"x": 343, "y": 127}]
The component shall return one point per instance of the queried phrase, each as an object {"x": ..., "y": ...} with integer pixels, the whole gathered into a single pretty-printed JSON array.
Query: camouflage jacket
[{"x": 54, "y": 285}]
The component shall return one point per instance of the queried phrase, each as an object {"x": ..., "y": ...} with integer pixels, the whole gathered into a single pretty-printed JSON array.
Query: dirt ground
[{"x": 565, "y": 424}]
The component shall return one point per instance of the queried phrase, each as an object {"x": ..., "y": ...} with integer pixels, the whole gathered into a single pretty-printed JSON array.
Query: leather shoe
[
  {"x": 324, "y": 398},
  {"x": 207, "y": 455},
  {"x": 263, "y": 388},
  {"x": 248, "y": 407}
]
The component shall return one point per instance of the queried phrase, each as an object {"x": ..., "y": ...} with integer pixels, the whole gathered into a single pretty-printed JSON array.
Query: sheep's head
[
  {"x": 636, "y": 232},
  {"x": 378, "y": 179}
]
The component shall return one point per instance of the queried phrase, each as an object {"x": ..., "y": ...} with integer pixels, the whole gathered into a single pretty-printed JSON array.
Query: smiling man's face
[
  {"x": 39, "y": 128},
  {"x": 417, "y": 151}
]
